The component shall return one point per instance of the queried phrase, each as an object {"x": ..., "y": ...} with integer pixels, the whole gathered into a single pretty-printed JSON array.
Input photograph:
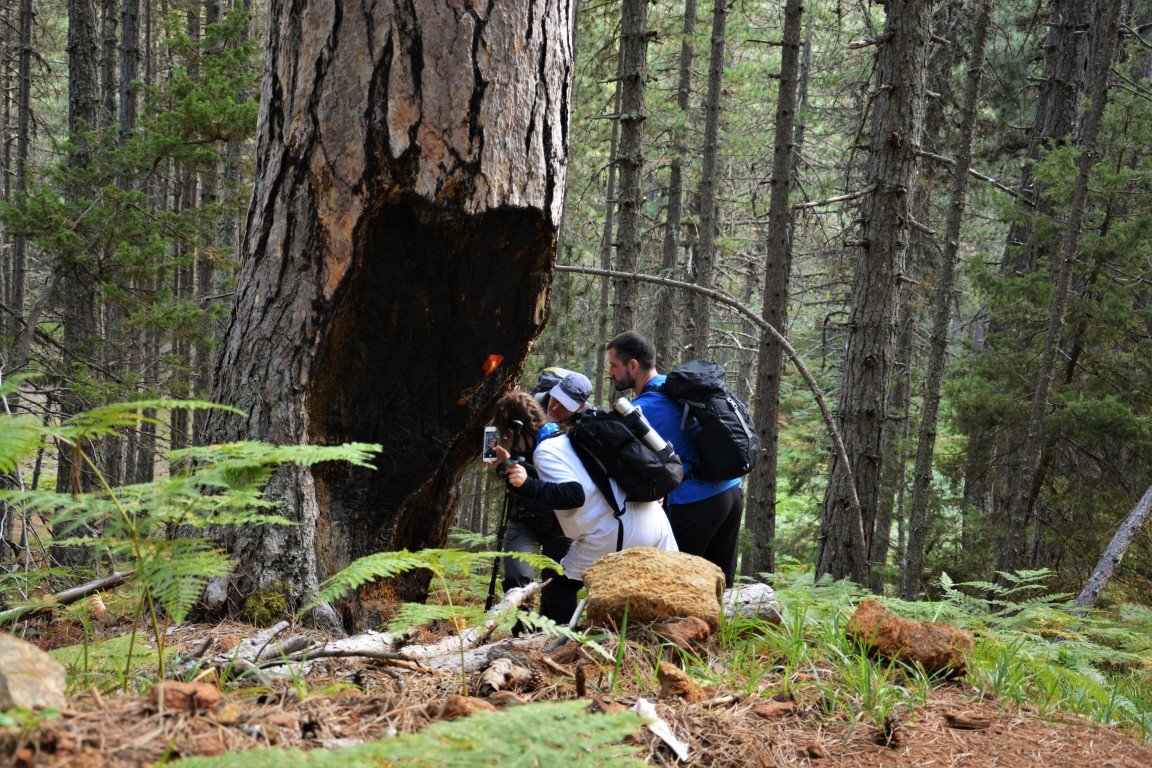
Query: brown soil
[{"x": 358, "y": 701}]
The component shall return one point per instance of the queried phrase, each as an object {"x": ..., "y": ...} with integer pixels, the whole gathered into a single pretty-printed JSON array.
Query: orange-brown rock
[
  {"x": 186, "y": 697},
  {"x": 773, "y": 710},
  {"x": 456, "y": 706},
  {"x": 934, "y": 646},
  {"x": 687, "y": 633},
  {"x": 648, "y": 585},
  {"x": 676, "y": 683}
]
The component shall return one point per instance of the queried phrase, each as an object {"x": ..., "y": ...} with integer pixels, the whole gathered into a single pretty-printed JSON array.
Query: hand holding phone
[{"x": 489, "y": 452}]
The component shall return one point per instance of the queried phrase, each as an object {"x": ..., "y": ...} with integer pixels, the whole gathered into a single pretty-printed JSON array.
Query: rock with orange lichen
[
  {"x": 933, "y": 646},
  {"x": 676, "y": 683},
  {"x": 647, "y": 584}
]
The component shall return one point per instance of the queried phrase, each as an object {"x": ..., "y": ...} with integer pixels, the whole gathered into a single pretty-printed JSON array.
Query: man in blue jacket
[{"x": 705, "y": 516}]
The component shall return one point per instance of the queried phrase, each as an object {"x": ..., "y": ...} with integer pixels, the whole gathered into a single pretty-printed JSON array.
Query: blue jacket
[{"x": 665, "y": 416}]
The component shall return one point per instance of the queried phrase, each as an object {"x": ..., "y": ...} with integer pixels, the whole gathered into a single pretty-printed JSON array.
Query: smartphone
[{"x": 489, "y": 453}]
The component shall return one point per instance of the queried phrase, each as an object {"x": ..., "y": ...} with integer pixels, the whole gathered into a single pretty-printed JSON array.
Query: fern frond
[
  {"x": 108, "y": 419},
  {"x": 561, "y": 733},
  {"x": 177, "y": 571},
  {"x": 413, "y": 615},
  {"x": 20, "y": 436},
  {"x": 381, "y": 565}
]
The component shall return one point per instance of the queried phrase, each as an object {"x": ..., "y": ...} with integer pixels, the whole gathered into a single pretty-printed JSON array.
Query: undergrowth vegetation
[{"x": 1031, "y": 650}]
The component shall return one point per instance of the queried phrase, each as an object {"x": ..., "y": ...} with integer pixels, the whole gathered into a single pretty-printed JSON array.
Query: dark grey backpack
[{"x": 715, "y": 420}]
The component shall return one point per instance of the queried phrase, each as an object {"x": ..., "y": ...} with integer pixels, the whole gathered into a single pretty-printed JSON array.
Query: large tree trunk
[
  {"x": 634, "y": 82},
  {"x": 896, "y": 125},
  {"x": 15, "y": 287},
  {"x": 704, "y": 265},
  {"x": 666, "y": 335},
  {"x": 942, "y": 316},
  {"x": 410, "y": 178},
  {"x": 1066, "y": 49},
  {"x": 1024, "y": 489},
  {"x": 76, "y": 290},
  {"x": 760, "y": 518}
]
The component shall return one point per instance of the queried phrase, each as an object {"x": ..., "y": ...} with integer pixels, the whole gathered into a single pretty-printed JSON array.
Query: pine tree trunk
[
  {"x": 606, "y": 239},
  {"x": 1066, "y": 47},
  {"x": 396, "y": 267},
  {"x": 1012, "y": 551},
  {"x": 108, "y": 56},
  {"x": 760, "y": 509},
  {"x": 16, "y": 285},
  {"x": 896, "y": 125},
  {"x": 633, "y": 80},
  {"x": 76, "y": 290},
  {"x": 889, "y": 503},
  {"x": 704, "y": 265},
  {"x": 666, "y": 336}
]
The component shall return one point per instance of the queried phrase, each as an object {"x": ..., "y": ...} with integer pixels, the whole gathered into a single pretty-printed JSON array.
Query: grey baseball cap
[{"x": 572, "y": 392}]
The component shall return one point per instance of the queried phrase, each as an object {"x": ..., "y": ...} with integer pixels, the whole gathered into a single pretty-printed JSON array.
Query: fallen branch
[
  {"x": 65, "y": 597},
  {"x": 513, "y": 598},
  {"x": 942, "y": 160},
  {"x": 1112, "y": 556},
  {"x": 837, "y": 199}
]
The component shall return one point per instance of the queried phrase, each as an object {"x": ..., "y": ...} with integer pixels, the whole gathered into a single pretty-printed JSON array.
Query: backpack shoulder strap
[{"x": 599, "y": 476}]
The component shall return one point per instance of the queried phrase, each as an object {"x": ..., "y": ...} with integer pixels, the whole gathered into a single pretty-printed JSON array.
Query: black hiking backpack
[
  {"x": 608, "y": 447},
  {"x": 605, "y": 440},
  {"x": 715, "y": 420}
]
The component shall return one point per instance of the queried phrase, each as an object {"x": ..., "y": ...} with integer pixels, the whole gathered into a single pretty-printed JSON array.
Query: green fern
[
  {"x": 560, "y": 734},
  {"x": 221, "y": 486}
]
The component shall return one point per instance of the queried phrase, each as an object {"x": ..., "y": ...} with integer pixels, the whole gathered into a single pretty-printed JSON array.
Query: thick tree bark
[
  {"x": 760, "y": 509},
  {"x": 666, "y": 336},
  {"x": 896, "y": 125},
  {"x": 1112, "y": 556},
  {"x": 918, "y": 520},
  {"x": 633, "y": 79},
  {"x": 1066, "y": 47},
  {"x": 16, "y": 285},
  {"x": 1012, "y": 551},
  {"x": 410, "y": 178},
  {"x": 76, "y": 291},
  {"x": 704, "y": 265}
]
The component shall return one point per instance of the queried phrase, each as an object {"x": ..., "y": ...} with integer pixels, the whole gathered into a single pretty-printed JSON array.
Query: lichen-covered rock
[
  {"x": 676, "y": 683},
  {"x": 934, "y": 646},
  {"x": 29, "y": 678},
  {"x": 653, "y": 585}
]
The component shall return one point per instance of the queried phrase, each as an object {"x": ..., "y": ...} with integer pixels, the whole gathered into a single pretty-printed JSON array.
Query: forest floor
[{"x": 356, "y": 700}]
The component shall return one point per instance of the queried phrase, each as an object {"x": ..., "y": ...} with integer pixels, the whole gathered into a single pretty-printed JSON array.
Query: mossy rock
[{"x": 268, "y": 605}]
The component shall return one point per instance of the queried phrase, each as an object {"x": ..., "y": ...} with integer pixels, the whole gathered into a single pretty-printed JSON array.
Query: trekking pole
[{"x": 501, "y": 530}]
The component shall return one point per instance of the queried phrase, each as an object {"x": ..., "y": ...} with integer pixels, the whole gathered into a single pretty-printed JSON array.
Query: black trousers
[
  {"x": 533, "y": 534},
  {"x": 710, "y": 528}
]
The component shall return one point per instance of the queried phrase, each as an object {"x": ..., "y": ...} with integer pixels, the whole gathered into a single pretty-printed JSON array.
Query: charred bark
[{"x": 410, "y": 177}]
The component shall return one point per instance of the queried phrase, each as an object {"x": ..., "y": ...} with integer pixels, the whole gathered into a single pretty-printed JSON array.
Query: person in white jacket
[{"x": 586, "y": 517}]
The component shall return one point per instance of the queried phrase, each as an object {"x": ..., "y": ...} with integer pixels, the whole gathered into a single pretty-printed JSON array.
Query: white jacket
[{"x": 593, "y": 527}]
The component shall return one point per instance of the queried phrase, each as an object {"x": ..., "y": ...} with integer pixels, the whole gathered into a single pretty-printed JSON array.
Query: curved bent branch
[{"x": 722, "y": 298}]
